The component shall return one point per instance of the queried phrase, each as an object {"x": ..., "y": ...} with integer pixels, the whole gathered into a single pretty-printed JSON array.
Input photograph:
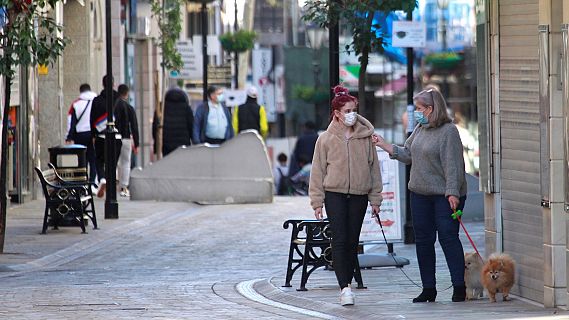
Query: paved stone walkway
[{"x": 184, "y": 261}]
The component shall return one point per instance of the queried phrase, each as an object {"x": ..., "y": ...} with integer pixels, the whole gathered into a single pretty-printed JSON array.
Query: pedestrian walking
[
  {"x": 213, "y": 119},
  {"x": 304, "y": 147},
  {"x": 178, "y": 121},
  {"x": 98, "y": 121},
  {"x": 79, "y": 128},
  {"x": 344, "y": 177},
  {"x": 127, "y": 125},
  {"x": 250, "y": 115},
  {"x": 438, "y": 186}
]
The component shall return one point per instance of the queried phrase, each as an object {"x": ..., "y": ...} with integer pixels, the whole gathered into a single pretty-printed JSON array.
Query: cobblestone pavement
[{"x": 184, "y": 261}]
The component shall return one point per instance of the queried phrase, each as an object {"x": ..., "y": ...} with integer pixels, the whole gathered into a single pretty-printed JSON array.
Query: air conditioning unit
[{"x": 143, "y": 27}]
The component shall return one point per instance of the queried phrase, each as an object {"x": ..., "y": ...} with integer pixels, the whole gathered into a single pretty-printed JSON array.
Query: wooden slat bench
[{"x": 64, "y": 198}]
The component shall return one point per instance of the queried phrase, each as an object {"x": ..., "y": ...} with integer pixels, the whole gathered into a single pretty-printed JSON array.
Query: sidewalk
[
  {"x": 26, "y": 249},
  {"x": 389, "y": 292},
  {"x": 233, "y": 274}
]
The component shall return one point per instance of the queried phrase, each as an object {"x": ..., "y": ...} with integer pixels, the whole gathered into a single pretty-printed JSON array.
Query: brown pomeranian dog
[
  {"x": 498, "y": 275},
  {"x": 472, "y": 270}
]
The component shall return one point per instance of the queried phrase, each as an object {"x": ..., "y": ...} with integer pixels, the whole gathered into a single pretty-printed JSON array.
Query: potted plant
[
  {"x": 443, "y": 60},
  {"x": 239, "y": 41}
]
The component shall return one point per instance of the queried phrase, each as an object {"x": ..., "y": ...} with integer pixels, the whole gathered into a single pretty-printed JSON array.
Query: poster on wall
[{"x": 390, "y": 210}]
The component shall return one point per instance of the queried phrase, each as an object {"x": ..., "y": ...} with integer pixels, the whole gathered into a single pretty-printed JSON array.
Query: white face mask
[{"x": 350, "y": 119}]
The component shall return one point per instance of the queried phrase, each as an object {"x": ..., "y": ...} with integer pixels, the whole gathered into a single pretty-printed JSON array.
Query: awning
[{"x": 392, "y": 88}]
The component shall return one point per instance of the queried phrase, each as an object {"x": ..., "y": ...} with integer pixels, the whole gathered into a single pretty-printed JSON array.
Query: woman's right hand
[
  {"x": 318, "y": 214},
  {"x": 377, "y": 139}
]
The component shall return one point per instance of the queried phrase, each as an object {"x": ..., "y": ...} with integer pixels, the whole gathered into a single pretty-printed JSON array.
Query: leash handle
[{"x": 456, "y": 215}]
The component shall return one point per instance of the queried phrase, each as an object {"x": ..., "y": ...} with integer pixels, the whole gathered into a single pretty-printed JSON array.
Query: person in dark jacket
[
  {"x": 178, "y": 121},
  {"x": 250, "y": 115},
  {"x": 98, "y": 120},
  {"x": 304, "y": 148},
  {"x": 127, "y": 125},
  {"x": 213, "y": 120}
]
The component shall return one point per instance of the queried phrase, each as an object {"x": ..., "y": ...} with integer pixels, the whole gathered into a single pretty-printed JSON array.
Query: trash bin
[
  {"x": 71, "y": 164},
  {"x": 70, "y": 161}
]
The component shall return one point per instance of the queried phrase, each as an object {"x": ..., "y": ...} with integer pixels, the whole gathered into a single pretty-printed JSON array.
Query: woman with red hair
[{"x": 345, "y": 176}]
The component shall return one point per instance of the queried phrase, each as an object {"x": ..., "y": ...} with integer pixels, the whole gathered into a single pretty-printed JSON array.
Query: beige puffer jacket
[{"x": 343, "y": 165}]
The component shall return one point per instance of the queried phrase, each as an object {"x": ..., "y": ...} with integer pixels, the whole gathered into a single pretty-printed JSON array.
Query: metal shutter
[{"x": 520, "y": 143}]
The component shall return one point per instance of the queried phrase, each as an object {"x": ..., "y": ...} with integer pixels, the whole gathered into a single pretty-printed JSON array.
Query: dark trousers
[
  {"x": 432, "y": 216},
  {"x": 86, "y": 139},
  {"x": 214, "y": 141},
  {"x": 100, "y": 155},
  {"x": 346, "y": 214}
]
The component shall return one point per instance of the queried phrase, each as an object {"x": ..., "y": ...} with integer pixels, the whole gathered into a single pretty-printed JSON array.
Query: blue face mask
[
  {"x": 420, "y": 117},
  {"x": 220, "y": 98}
]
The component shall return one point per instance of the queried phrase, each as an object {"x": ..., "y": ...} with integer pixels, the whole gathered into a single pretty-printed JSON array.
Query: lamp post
[
  {"x": 111, "y": 204},
  {"x": 235, "y": 28},
  {"x": 443, "y": 5},
  {"x": 334, "y": 56},
  {"x": 203, "y": 14},
  {"x": 316, "y": 37}
]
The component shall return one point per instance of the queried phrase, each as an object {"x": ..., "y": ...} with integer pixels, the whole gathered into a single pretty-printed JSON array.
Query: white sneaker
[
  {"x": 125, "y": 192},
  {"x": 347, "y": 297}
]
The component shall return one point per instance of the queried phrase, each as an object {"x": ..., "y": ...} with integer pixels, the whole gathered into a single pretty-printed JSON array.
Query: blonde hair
[{"x": 433, "y": 97}]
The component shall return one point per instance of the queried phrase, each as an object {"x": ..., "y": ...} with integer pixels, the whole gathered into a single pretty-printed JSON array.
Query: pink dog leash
[{"x": 456, "y": 216}]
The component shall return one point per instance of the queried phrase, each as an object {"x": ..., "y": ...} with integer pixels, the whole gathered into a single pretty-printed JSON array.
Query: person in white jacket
[{"x": 78, "y": 125}]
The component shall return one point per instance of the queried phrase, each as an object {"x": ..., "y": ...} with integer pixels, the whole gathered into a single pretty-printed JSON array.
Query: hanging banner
[
  {"x": 264, "y": 80},
  {"x": 390, "y": 210}
]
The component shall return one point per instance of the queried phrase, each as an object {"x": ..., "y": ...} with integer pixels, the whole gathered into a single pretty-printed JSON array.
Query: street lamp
[
  {"x": 443, "y": 5},
  {"x": 316, "y": 37},
  {"x": 203, "y": 14}
]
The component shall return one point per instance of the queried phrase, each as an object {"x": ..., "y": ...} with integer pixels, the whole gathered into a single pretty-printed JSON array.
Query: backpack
[{"x": 285, "y": 185}]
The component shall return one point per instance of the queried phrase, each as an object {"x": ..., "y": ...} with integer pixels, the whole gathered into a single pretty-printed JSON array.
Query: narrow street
[
  {"x": 185, "y": 261},
  {"x": 179, "y": 269}
]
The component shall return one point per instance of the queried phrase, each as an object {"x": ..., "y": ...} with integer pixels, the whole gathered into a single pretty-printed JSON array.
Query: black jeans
[
  {"x": 86, "y": 139},
  {"x": 346, "y": 214},
  {"x": 100, "y": 155}
]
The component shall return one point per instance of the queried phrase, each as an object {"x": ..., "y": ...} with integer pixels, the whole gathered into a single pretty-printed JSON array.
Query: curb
[{"x": 264, "y": 292}]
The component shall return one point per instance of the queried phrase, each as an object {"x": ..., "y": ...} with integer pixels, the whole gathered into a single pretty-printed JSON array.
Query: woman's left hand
[{"x": 453, "y": 201}]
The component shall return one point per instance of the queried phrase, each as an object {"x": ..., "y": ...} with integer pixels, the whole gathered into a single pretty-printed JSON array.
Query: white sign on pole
[
  {"x": 390, "y": 210},
  {"x": 192, "y": 59},
  {"x": 263, "y": 79},
  {"x": 409, "y": 34}
]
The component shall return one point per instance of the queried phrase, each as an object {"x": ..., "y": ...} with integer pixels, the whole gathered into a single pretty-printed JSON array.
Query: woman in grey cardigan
[{"x": 438, "y": 186}]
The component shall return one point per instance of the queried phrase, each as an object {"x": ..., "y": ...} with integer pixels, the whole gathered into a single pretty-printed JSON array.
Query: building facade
[{"x": 522, "y": 54}]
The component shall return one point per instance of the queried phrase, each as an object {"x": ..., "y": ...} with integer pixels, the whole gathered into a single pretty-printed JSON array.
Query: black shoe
[
  {"x": 458, "y": 293},
  {"x": 428, "y": 294}
]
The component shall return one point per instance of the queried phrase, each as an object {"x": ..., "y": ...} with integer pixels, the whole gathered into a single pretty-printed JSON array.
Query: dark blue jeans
[
  {"x": 346, "y": 214},
  {"x": 432, "y": 216}
]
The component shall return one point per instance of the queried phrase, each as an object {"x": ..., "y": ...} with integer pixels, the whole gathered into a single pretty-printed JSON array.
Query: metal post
[
  {"x": 409, "y": 235},
  {"x": 111, "y": 204},
  {"x": 204, "y": 49},
  {"x": 334, "y": 57},
  {"x": 445, "y": 88},
  {"x": 236, "y": 27}
]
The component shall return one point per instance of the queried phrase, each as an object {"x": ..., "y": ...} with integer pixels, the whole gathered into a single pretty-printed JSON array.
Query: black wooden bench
[
  {"x": 310, "y": 247},
  {"x": 66, "y": 199}
]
